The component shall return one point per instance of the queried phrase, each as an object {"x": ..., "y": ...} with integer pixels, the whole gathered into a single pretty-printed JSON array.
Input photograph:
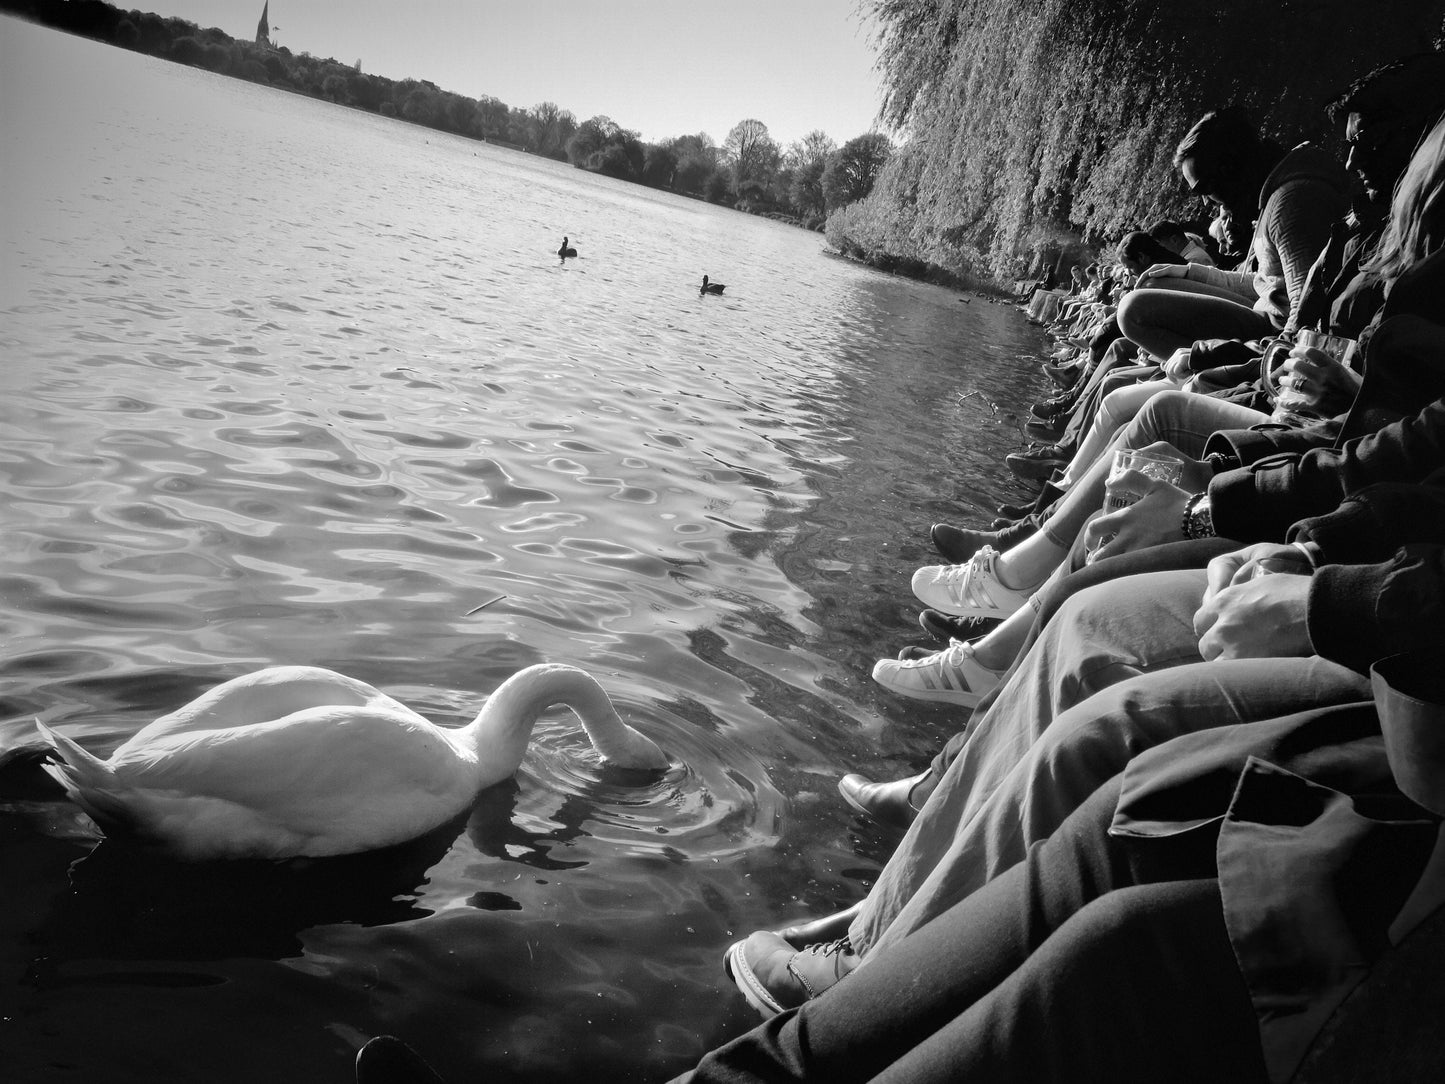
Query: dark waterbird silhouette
[
  {"x": 566, "y": 250},
  {"x": 711, "y": 287}
]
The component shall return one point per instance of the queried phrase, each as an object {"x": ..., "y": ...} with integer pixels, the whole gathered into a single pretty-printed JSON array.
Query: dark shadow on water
[{"x": 127, "y": 903}]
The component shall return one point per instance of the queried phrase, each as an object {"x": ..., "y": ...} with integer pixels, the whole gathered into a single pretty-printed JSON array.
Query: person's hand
[
  {"x": 1164, "y": 271},
  {"x": 1260, "y": 618},
  {"x": 1229, "y": 569},
  {"x": 1155, "y": 516},
  {"x": 1176, "y": 366},
  {"x": 1328, "y": 387}
]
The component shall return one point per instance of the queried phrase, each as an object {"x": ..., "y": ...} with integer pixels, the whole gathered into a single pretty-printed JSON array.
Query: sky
[{"x": 660, "y": 67}]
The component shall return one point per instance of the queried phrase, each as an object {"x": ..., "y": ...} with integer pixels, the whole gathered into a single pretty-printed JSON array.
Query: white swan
[{"x": 301, "y": 761}]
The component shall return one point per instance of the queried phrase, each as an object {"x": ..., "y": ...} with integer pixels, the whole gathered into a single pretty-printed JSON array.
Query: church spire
[{"x": 263, "y": 28}]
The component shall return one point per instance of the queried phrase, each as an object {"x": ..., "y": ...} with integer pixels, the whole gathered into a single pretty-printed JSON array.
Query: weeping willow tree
[{"x": 1027, "y": 120}]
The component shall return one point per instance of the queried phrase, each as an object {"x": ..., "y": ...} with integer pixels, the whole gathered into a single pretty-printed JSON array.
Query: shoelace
[
  {"x": 830, "y": 948},
  {"x": 968, "y": 582},
  {"x": 840, "y": 947},
  {"x": 965, "y": 571}
]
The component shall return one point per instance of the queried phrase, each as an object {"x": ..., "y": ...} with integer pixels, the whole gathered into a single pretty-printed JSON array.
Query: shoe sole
[
  {"x": 944, "y": 696},
  {"x": 736, "y": 965},
  {"x": 953, "y": 609}
]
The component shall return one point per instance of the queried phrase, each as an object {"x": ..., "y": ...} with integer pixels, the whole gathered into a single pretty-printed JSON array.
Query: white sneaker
[
  {"x": 968, "y": 590},
  {"x": 953, "y": 675}
]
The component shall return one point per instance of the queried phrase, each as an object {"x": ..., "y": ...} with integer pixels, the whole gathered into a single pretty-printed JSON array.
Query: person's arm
[
  {"x": 1354, "y": 615},
  {"x": 1262, "y": 501},
  {"x": 1359, "y": 614},
  {"x": 1369, "y": 526},
  {"x": 1296, "y": 221},
  {"x": 1246, "y": 447},
  {"x": 1239, "y": 282},
  {"x": 1373, "y": 583}
]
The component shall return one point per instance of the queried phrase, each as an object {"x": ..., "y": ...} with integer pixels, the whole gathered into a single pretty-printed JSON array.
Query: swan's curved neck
[{"x": 499, "y": 734}]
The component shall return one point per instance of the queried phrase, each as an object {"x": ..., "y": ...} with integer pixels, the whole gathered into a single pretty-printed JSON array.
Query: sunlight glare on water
[{"x": 290, "y": 383}]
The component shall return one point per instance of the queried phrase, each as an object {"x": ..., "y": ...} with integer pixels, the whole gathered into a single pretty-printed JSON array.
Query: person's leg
[
  {"x": 1045, "y": 604},
  {"x": 1187, "y": 421},
  {"x": 1022, "y": 980},
  {"x": 1158, "y": 956},
  {"x": 1084, "y": 747},
  {"x": 1101, "y": 636},
  {"x": 1118, "y": 408},
  {"x": 1163, "y": 321},
  {"x": 1183, "y": 419}
]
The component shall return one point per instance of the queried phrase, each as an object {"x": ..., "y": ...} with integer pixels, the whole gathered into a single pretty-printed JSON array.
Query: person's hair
[
  {"x": 1413, "y": 86},
  {"x": 1165, "y": 227},
  {"x": 1138, "y": 247},
  {"x": 1417, "y": 213},
  {"x": 1220, "y": 136}
]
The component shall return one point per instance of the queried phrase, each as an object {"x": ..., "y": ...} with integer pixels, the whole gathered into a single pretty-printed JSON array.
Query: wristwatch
[{"x": 1198, "y": 520}]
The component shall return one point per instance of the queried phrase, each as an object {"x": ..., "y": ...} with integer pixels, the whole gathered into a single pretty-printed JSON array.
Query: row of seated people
[{"x": 1191, "y": 806}]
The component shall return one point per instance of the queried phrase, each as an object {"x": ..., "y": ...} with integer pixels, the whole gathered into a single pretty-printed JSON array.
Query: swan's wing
[
  {"x": 323, "y": 772},
  {"x": 264, "y": 696}
]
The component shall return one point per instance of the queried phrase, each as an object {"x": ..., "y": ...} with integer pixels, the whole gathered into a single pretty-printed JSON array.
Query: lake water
[{"x": 288, "y": 383}]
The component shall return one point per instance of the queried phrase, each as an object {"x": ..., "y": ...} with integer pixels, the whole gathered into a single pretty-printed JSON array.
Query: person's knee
[
  {"x": 1159, "y": 416},
  {"x": 1136, "y": 313}
]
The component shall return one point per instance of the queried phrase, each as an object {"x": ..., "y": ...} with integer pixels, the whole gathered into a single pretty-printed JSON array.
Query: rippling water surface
[{"x": 288, "y": 383}]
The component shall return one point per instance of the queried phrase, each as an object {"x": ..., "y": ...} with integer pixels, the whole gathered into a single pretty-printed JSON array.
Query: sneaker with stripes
[
  {"x": 953, "y": 676},
  {"x": 970, "y": 589}
]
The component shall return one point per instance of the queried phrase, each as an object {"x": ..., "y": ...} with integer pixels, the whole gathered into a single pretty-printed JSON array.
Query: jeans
[
  {"x": 1094, "y": 959},
  {"x": 1163, "y": 321},
  {"x": 1117, "y": 671},
  {"x": 1184, "y": 419}
]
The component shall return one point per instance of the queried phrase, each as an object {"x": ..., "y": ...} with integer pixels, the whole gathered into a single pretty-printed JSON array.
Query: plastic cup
[
  {"x": 1292, "y": 408},
  {"x": 1273, "y": 566},
  {"x": 1162, "y": 467},
  {"x": 1336, "y": 346}
]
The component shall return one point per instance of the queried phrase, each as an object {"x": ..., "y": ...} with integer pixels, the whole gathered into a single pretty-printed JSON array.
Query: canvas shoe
[
  {"x": 971, "y": 589},
  {"x": 952, "y": 676}
]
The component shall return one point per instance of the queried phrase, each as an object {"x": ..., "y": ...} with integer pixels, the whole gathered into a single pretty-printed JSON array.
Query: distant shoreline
[{"x": 597, "y": 145}]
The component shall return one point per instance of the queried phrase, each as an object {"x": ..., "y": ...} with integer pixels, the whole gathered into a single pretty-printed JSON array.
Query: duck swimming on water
[
  {"x": 566, "y": 250},
  {"x": 711, "y": 287},
  {"x": 299, "y": 761}
]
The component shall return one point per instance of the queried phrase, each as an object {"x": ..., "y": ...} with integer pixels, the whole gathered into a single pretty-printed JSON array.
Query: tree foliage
[
  {"x": 751, "y": 152},
  {"x": 806, "y": 190},
  {"x": 852, "y": 169},
  {"x": 1028, "y": 120}
]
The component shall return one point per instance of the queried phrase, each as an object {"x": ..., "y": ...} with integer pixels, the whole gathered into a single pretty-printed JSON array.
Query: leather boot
[{"x": 886, "y": 803}]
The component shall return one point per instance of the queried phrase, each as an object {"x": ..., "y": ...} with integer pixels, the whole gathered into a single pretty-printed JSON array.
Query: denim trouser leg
[
  {"x": 1118, "y": 408},
  {"x": 1182, "y": 418},
  {"x": 1094, "y": 959}
]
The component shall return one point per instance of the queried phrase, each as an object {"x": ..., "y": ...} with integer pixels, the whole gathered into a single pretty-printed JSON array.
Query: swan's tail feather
[{"x": 89, "y": 782}]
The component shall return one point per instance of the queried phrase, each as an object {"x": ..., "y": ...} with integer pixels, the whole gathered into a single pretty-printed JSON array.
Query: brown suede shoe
[
  {"x": 886, "y": 803},
  {"x": 774, "y": 977}
]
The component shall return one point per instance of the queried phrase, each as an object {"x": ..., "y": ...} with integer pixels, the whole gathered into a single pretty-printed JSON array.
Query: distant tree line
[{"x": 750, "y": 171}]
